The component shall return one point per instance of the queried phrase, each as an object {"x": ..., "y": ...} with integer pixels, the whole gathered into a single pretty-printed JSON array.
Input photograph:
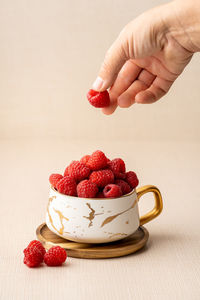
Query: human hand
[{"x": 148, "y": 56}]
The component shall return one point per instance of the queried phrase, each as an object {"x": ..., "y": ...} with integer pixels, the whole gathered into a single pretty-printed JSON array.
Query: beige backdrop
[{"x": 50, "y": 53}]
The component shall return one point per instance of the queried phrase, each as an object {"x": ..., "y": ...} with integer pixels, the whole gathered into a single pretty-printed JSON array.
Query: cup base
[{"x": 122, "y": 247}]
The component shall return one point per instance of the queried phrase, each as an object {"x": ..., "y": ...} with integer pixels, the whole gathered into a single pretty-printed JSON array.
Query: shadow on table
[{"x": 162, "y": 240}]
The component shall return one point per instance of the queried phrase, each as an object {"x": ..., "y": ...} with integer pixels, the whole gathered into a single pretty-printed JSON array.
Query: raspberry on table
[
  {"x": 77, "y": 170},
  {"x": 87, "y": 189},
  {"x": 112, "y": 191},
  {"x": 67, "y": 186},
  {"x": 98, "y": 99},
  {"x": 55, "y": 256},
  {"x": 33, "y": 257},
  {"x": 54, "y": 178},
  {"x": 84, "y": 159},
  {"x": 131, "y": 179},
  {"x": 102, "y": 177},
  {"x": 36, "y": 245},
  {"x": 125, "y": 187},
  {"x": 97, "y": 161},
  {"x": 118, "y": 167}
]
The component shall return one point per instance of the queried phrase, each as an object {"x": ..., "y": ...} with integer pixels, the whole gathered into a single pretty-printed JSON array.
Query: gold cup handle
[{"x": 158, "y": 202}]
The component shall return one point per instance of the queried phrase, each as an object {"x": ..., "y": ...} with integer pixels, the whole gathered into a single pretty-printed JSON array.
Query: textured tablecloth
[{"x": 168, "y": 268}]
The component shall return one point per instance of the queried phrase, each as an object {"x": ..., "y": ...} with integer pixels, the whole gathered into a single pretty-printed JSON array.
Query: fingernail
[{"x": 97, "y": 85}]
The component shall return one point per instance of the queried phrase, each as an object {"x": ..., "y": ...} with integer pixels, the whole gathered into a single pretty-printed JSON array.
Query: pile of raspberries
[{"x": 95, "y": 176}]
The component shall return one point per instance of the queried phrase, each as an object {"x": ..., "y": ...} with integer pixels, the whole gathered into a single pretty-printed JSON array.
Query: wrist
[{"x": 183, "y": 22}]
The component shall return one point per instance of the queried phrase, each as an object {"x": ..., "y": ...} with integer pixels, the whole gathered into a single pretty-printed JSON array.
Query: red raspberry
[
  {"x": 125, "y": 187},
  {"x": 36, "y": 245},
  {"x": 98, "y": 99},
  {"x": 54, "y": 178},
  {"x": 67, "y": 186},
  {"x": 112, "y": 191},
  {"x": 77, "y": 170},
  {"x": 32, "y": 257},
  {"x": 84, "y": 159},
  {"x": 118, "y": 167},
  {"x": 108, "y": 160},
  {"x": 102, "y": 177},
  {"x": 55, "y": 256},
  {"x": 120, "y": 175},
  {"x": 97, "y": 161},
  {"x": 87, "y": 189},
  {"x": 132, "y": 179}
]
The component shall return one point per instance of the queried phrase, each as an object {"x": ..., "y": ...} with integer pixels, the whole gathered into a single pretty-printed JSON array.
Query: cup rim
[{"x": 68, "y": 196}]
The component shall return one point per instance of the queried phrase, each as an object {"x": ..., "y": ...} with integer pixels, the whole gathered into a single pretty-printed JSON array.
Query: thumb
[{"x": 113, "y": 62}]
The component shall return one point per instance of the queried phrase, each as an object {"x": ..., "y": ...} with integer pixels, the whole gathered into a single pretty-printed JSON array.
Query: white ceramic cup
[{"x": 98, "y": 220}]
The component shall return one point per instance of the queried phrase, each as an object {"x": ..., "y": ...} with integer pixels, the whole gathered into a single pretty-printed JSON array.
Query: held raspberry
[
  {"x": 132, "y": 179},
  {"x": 102, "y": 177},
  {"x": 67, "y": 186},
  {"x": 125, "y": 187},
  {"x": 118, "y": 167},
  {"x": 84, "y": 159},
  {"x": 87, "y": 189},
  {"x": 54, "y": 178},
  {"x": 55, "y": 256},
  {"x": 98, "y": 99},
  {"x": 97, "y": 161},
  {"x": 112, "y": 191},
  {"x": 77, "y": 170}
]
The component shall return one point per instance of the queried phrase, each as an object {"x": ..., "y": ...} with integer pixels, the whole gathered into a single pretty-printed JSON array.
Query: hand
[{"x": 147, "y": 57}]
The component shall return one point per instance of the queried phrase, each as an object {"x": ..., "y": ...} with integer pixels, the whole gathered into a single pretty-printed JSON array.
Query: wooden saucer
[{"x": 123, "y": 247}]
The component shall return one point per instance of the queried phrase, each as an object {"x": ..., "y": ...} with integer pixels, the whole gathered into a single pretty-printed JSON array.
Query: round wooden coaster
[{"x": 123, "y": 247}]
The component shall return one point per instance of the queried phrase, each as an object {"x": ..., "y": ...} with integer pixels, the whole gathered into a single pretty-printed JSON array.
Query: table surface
[{"x": 168, "y": 268}]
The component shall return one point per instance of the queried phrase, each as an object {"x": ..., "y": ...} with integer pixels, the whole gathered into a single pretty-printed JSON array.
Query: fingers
[
  {"x": 157, "y": 90},
  {"x": 112, "y": 107},
  {"x": 126, "y": 76},
  {"x": 156, "y": 67},
  {"x": 113, "y": 62},
  {"x": 146, "y": 77},
  {"x": 129, "y": 72},
  {"x": 146, "y": 88},
  {"x": 128, "y": 98},
  {"x": 143, "y": 81}
]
